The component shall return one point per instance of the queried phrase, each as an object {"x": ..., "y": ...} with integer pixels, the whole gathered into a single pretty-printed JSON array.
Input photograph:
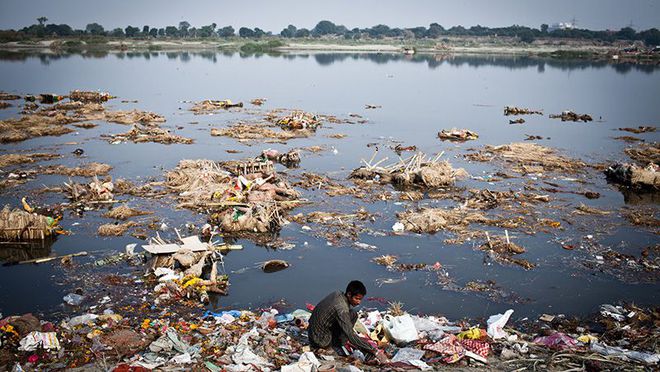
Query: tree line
[{"x": 327, "y": 29}]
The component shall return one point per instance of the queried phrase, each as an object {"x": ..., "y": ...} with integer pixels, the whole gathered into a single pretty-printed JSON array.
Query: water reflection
[
  {"x": 14, "y": 252},
  {"x": 327, "y": 59}
]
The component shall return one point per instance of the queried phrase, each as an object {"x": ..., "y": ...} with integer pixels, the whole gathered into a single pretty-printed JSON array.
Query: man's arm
[{"x": 347, "y": 327}]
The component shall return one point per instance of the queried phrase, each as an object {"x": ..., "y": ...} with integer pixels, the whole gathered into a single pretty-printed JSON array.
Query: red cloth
[{"x": 481, "y": 348}]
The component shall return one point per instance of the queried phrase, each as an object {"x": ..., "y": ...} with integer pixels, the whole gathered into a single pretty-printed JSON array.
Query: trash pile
[
  {"x": 248, "y": 132},
  {"x": 335, "y": 227},
  {"x": 7, "y": 160},
  {"x": 639, "y": 129},
  {"x": 503, "y": 250},
  {"x": 83, "y": 96},
  {"x": 268, "y": 340},
  {"x": 148, "y": 133},
  {"x": 21, "y": 225},
  {"x": 646, "y": 178},
  {"x": 457, "y": 134},
  {"x": 511, "y": 110},
  {"x": 210, "y": 106},
  {"x": 313, "y": 181},
  {"x": 416, "y": 170},
  {"x": 298, "y": 120},
  {"x": 571, "y": 116},
  {"x": 52, "y": 118},
  {"x": 87, "y": 170},
  {"x": 244, "y": 196},
  {"x": 645, "y": 153},
  {"x": 527, "y": 158},
  {"x": 288, "y": 159},
  {"x": 94, "y": 191},
  {"x": 432, "y": 220},
  {"x": 187, "y": 269}
]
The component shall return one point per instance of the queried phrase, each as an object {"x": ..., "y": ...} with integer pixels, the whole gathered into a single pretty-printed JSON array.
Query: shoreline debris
[
  {"x": 210, "y": 106},
  {"x": 416, "y": 170},
  {"x": 571, "y": 116},
  {"x": 457, "y": 135},
  {"x": 511, "y": 110}
]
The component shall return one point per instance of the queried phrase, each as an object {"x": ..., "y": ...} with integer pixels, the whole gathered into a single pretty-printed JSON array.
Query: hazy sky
[{"x": 274, "y": 15}]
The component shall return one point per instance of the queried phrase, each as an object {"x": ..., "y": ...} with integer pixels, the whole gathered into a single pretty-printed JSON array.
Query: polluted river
[{"x": 453, "y": 185}]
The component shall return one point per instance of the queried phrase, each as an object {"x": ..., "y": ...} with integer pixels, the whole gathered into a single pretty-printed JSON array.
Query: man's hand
[{"x": 381, "y": 357}]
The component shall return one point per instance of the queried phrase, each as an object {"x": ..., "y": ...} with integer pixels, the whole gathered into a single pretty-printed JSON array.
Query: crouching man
[{"x": 332, "y": 321}]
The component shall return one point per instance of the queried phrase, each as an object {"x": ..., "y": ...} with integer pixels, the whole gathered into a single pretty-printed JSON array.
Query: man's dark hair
[{"x": 356, "y": 287}]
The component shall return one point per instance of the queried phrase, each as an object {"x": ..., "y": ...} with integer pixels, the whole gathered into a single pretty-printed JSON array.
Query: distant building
[{"x": 561, "y": 26}]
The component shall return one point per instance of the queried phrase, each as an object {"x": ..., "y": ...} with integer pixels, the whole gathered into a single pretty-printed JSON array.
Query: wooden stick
[
  {"x": 506, "y": 232},
  {"x": 47, "y": 259}
]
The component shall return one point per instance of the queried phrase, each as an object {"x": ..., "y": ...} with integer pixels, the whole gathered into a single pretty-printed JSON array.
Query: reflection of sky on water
[{"x": 419, "y": 96}]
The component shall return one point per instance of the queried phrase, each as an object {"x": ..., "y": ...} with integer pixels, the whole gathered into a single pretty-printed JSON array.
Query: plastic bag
[
  {"x": 496, "y": 324},
  {"x": 400, "y": 329},
  {"x": 73, "y": 299}
]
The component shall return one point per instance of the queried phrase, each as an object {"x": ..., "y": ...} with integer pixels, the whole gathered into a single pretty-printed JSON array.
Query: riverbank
[
  {"x": 552, "y": 48},
  {"x": 124, "y": 321}
]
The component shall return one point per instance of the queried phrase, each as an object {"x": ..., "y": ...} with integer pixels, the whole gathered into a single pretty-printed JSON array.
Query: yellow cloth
[{"x": 473, "y": 333}]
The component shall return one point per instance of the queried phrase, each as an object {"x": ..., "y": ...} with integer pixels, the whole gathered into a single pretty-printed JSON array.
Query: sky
[{"x": 274, "y": 15}]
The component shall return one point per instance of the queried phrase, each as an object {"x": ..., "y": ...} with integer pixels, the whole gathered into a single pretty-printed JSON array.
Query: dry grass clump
[
  {"x": 645, "y": 153},
  {"x": 253, "y": 132},
  {"x": 18, "y": 224},
  {"x": 208, "y": 106},
  {"x": 29, "y": 126},
  {"x": 13, "y": 159},
  {"x": 141, "y": 134},
  {"x": 432, "y": 220},
  {"x": 89, "y": 170},
  {"x": 111, "y": 229},
  {"x": 196, "y": 180},
  {"x": 134, "y": 116},
  {"x": 123, "y": 213},
  {"x": 417, "y": 170},
  {"x": 529, "y": 158}
]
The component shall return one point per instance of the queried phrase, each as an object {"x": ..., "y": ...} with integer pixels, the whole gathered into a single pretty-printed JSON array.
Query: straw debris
[
  {"x": 526, "y": 157},
  {"x": 13, "y": 159},
  {"x": 123, "y": 213},
  {"x": 88, "y": 170}
]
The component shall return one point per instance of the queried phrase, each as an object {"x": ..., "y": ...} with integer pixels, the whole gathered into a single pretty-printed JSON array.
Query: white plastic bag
[
  {"x": 496, "y": 324},
  {"x": 400, "y": 329}
]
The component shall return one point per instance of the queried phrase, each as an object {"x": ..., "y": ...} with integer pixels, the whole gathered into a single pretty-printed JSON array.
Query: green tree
[
  {"x": 42, "y": 20},
  {"x": 94, "y": 29},
  {"x": 145, "y": 30},
  {"x": 131, "y": 31},
  {"x": 183, "y": 28},
  {"x": 59, "y": 30},
  {"x": 526, "y": 35},
  {"x": 226, "y": 31},
  {"x": 378, "y": 31},
  {"x": 161, "y": 32},
  {"x": 324, "y": 28},
  {"x": 259, "y": 33},
  {"x": 154, "y": 32},
  {"x": 626, "y": 33},
  {"x": 117, "y": 32},
  {"x": 289, "y": 31},
  {"x": 302, "y": 32},
  {"x": 171, "y": 31},
  {"x": 651, "y": 37},
  {"x": 544, "y": 28},
  {"x": 206, "y": 31},
  {"x": 435, "y": 30},
  {"x": 419, "y": 32},
  {"x": 245, "y": 32}
]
